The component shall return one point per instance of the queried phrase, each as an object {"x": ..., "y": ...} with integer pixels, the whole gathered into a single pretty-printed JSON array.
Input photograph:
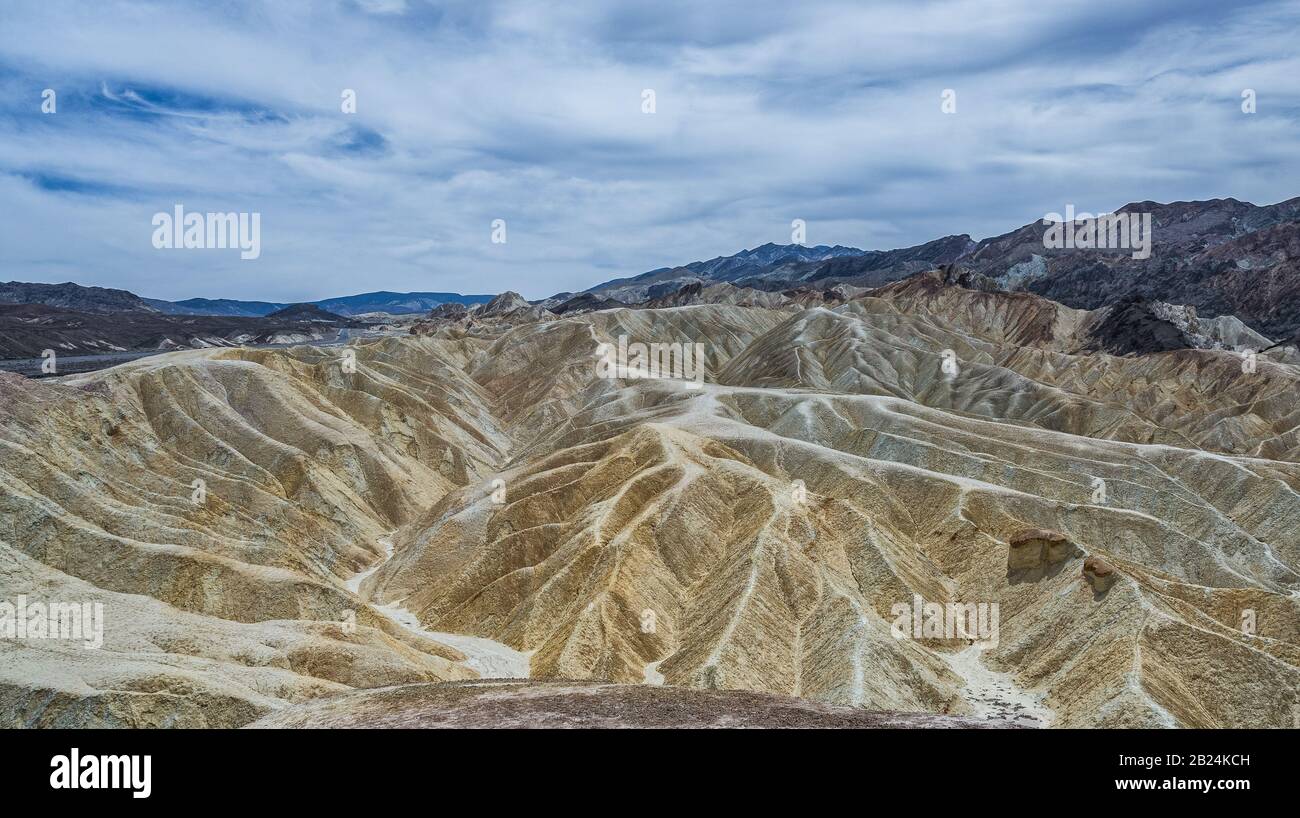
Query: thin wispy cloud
[{"x": 470, "y": 112}]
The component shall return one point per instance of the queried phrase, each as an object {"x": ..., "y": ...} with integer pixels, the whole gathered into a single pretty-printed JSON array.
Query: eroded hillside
[{"x": 754, "y": 533}]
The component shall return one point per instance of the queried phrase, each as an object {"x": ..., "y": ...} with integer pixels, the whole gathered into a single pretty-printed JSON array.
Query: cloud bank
[{"x": 467, "y": 112}]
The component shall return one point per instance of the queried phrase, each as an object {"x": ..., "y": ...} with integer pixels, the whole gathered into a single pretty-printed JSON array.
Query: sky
[{"x": 470, "y": 112}]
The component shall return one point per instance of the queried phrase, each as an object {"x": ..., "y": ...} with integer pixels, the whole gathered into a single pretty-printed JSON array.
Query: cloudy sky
[{"x": 472, "y": 111}]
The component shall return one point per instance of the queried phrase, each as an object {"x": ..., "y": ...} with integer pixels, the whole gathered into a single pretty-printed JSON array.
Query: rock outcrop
[
  {"x": 503, "y": 304},
  {"x": 451, "y": 311},
  {"x": 1036, "y": 547},
  {"x": 585, "y": 302},
  {"x": 1099, "y": 574}
]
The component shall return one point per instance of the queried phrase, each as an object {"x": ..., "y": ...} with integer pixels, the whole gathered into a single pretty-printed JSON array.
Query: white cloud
[{"x": 469, "y": 111}]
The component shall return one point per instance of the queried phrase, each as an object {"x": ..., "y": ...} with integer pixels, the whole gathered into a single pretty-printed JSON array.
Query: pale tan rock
[{"x": 754, "y": 533}]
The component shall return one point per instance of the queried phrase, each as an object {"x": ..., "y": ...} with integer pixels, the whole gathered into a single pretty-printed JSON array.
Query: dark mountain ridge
[
  {"x": 27, "y": 330},
  {"x": 74, "y": 297},
  {"x": 307, "y": 312},
  {"x": 1221, "y": 256},
  {"x": 102, "y": 300}
]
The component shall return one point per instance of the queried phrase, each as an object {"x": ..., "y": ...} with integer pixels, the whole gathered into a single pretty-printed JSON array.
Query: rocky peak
[{"x": 506, "y": 302}]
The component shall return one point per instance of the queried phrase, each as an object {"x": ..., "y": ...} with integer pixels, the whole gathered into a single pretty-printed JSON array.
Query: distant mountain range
[
  {"x": 71, "y": 296},
  {"x": 381, "y": 301},
  {"x": 27, "y": 330},
  {"x": 769, "y": 261},
  {"x": 1222, "y": 256},
  {"x": 80, "y": 321},
  {"x": 103, "y": 300},
  {"x": 215, "y": 306}
]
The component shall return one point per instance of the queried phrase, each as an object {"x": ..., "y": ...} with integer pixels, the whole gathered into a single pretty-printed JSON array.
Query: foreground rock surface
[{"x": 570, "y": 704}]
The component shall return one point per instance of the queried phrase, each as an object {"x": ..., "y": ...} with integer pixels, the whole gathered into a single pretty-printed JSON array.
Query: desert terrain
[{"x": 284, "y": 531}]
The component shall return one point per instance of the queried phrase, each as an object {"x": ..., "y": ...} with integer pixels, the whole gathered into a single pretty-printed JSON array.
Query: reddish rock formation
[
  {"x": 1034, "y": 547},
  {"x": 1099, "y": 573}
]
